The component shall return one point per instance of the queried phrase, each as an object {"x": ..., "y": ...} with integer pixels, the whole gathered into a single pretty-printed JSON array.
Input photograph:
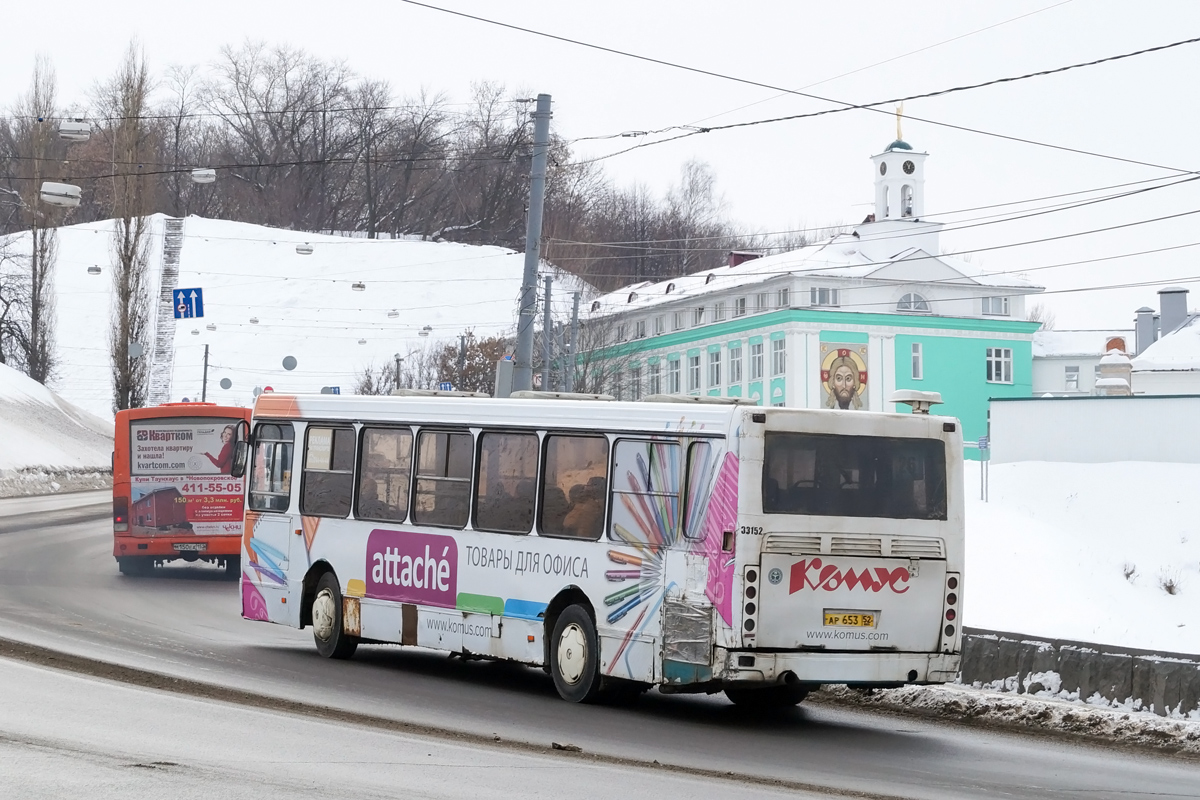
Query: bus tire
[
  {"x": 233, "y": 567},
  {"x": 779, "y": 695},
  {"x": 575, "y": 656},
  {"x": 135, "y": 566},
  {"x": 331, "y": 640}
]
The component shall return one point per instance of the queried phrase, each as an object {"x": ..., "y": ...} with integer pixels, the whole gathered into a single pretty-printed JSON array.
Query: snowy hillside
[
  {"x": 1088, "y": 552},
  {"x": 264, "y": 301},
  {"x": 38, "y": 429}
]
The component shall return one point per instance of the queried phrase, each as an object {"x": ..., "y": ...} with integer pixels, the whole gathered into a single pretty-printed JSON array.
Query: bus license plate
[
  {"x": 851, "y": 619},
  {"x": 199, "y": 546}
]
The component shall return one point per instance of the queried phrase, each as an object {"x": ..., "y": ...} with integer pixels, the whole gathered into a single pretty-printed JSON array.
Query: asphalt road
[{"x": 59, "y": 587}]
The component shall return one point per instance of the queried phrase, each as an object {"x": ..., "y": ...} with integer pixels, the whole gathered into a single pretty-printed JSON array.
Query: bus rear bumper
[
  {"x": 868, "y": 668},
  {"x": 164, "y": 546}
]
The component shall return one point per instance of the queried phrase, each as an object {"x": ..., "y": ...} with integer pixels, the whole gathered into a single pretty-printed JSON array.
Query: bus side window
[
  {"x": 645, "y": 492},
  {"x": 574, "y": 486},
  {"x": 505, "y": 490},
  {"x": 443, "y": 494},
  {"x": 700, "y": 473},
  {"x": 384, "y": 472},
  {"x": 328, "y": 472},
  {"x": 271, "y": 475}
]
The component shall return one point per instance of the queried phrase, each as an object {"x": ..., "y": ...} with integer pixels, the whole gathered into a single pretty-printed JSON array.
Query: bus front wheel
[
  {"x": 575, "y": 656},
  {"x": 331, "y": 640},
  {"x": 779, "y": 695}
]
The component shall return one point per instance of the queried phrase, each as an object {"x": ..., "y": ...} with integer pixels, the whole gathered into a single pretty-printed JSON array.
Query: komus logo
[
  {"x": 412, "y": 568},
  {"x": 812, "y": 573}
]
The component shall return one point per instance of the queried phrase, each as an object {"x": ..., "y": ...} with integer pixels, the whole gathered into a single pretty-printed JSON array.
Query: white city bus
[{"x": 697, "y": 547}]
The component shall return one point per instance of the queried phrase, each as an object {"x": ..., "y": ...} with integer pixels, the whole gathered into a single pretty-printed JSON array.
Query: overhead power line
[{"x": 846, "y": 106}]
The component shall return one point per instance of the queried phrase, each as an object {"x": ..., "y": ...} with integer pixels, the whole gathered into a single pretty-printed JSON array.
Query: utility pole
[
  {"x": 462, "y": 360},
  {"x": 546, "y": 335},
  {"x": 570, "y": 370},
  {"x": 398, "y": 360},
  {"x": 204, "y": 386},
  {"x": 523, "y": 366}
]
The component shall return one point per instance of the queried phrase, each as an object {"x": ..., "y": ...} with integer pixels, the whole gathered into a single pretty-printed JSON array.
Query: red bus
[{"x": 173, "y": 495}]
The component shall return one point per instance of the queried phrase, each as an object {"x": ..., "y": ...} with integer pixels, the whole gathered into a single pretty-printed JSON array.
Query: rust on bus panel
[{"x": 351, "y": 617}]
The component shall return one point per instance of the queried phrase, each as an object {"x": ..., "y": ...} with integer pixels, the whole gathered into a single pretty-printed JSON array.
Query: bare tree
[
  {"x": 39, "y": 149},
  {"x": 125, "y": 99},
  {"x": 470, "y": 363},
  {"x": 418, "y": 370},
  {"x": 13, "y": 298},
  {"x": 1039, "y": 312}
]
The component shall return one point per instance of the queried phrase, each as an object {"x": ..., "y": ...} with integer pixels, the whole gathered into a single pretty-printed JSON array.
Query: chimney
[
  {"x": 1143, "y": 329},
  {"x": 742, "y": 256},
  {"x": 1172, "y": 303}
]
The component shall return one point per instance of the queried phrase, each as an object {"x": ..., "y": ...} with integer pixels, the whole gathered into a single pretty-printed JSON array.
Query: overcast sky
[{"x": 783, "y": 175}]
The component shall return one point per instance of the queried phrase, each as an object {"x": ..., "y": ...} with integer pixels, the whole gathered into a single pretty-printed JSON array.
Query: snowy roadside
[
  {"x": 38, "y": 481},
  {"x": 1044, "y": 714}
]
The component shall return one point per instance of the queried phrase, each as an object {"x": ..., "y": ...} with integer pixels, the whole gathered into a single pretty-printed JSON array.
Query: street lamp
[
  {"x": 204, "y": 175},
  {"x": 425, "y": 331},
  {"x": 94, "y": 270},
  {"x": 74, "y": 130},
  {"x": 304, "y": 249},
  {"x": 60, "y": 194},
  {"x": 358, "y": 286}
]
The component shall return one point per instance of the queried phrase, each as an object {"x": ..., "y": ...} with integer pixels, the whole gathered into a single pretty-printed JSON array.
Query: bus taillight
[{"x": 120, "y": 514}]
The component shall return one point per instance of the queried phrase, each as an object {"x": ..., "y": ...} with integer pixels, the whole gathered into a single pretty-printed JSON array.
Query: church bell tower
[{"x": 899, "y": 179}]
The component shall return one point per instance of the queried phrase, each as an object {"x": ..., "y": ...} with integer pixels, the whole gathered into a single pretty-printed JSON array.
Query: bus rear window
[{"x": 854, "y": 476}]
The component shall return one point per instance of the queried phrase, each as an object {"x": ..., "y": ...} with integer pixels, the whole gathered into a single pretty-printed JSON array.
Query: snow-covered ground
[
  {"x": 264, "y": 301},
  {"x": 1087, "y": 552},
  {"x": 46, "y": 443}
]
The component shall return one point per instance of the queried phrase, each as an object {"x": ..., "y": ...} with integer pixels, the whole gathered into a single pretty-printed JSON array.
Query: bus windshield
[{"x": 815, "y": 474}]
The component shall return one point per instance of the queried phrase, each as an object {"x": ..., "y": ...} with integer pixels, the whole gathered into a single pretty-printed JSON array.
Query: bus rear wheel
[
  {"x": 575, "y": 656},
  {"x": 135, "y": 566},
  {"x": 781, "y": 695},
  {"x": 331, "y": 640}
]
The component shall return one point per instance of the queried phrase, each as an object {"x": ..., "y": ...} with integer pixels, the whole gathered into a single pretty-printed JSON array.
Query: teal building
[{"x": 841, "y": 324}]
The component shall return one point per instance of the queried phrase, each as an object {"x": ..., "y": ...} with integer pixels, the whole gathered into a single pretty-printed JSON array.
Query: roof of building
[
  {"x": 1077, "y": 343},
  {"x": 845, "y": 255},
  {"x": 1177, "y": 351},
  {"x": 899, "y": 144}
]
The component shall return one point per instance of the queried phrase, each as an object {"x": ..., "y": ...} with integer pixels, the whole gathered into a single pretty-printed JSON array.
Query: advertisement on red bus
[{"x": 173, "y": 494}]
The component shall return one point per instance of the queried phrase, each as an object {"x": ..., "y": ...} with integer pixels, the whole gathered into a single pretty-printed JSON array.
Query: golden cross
[{"x": 899, "y": 114}]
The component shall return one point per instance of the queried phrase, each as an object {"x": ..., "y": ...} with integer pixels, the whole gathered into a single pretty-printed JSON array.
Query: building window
[
  {"x": 693, "y": 373},
  {"x": 617, "y": 381},
  {"x": 735, "y": 366},
  {"x": 1072, "y": 379},
  {"x": 823, "y": 296},
  {"x": 698, "y": 316},
  {"x": 640, "y": 329},
  {"x": 679, "y": 321},
  {"x": 762, "y": 302},
  {"x": 913, "y": 303},
  {"x": 739, "y": 307},
  {"x": 719, "y": 311},
  {"x": 714, "y": 369},
  {"x": 778, "y": 356},
  {"x": 673, "y": 377},
  {"x": 999, "y": 365},
  {"x": 655, "y": 383},
  {"x": 621, "y": 332},
  {"x": 660, "y": 325},
  {"x": 918, "y": 362},
  {"x": 635, "y": 383},
  {"x": 756, "y": 362},
  {"x": 784, "y": 298},
  {"x": 995, "y": 306}
]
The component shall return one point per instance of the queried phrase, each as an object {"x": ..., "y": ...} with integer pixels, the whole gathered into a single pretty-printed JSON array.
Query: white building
[
  {"x": 1067, "y": 363},
  {"x": 881, "y": 306}
]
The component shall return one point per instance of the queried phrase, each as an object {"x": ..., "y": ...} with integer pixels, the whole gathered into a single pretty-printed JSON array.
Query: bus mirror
[{"x": 241, "y": 451}]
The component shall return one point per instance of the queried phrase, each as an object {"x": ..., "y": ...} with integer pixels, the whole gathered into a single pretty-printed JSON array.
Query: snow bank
[
  {"x": 1046, "y": 715},
  {"x": 349, "y": 304},
  {"x": 1087, "y": 552},
  {"x": 43, "y": 435}
]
